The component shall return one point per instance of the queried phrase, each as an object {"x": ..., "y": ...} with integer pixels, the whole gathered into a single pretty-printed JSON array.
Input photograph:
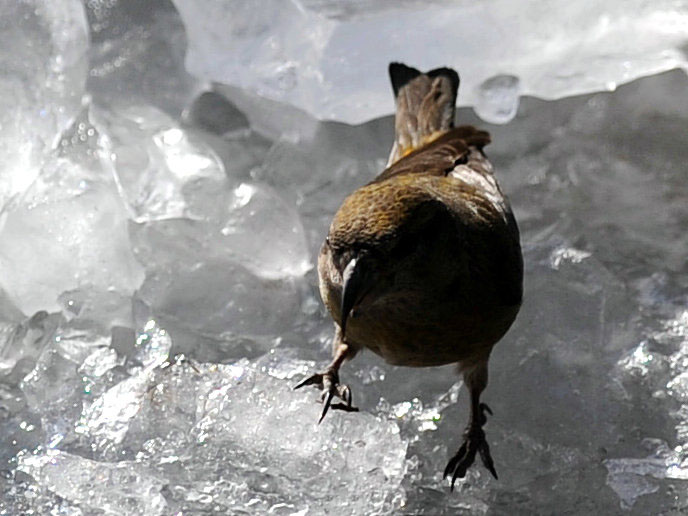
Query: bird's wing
[{"x": 440, "y": 156}]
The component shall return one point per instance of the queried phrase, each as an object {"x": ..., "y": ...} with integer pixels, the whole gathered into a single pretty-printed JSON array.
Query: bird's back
[
  {"x": 443, "y": 234},
  {"x": 423, "y": 264}
]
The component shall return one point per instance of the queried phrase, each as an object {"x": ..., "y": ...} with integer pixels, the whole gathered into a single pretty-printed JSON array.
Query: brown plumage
[{"x": 423, "y": 265}]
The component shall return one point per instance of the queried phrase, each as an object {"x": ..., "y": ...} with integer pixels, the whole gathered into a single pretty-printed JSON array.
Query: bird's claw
[
  {"x": 328, "y": 383},
  {"x": 474, "y": 443}
]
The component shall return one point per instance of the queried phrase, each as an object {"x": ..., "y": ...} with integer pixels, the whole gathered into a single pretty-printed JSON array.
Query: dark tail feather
[
  {"x": 449, "y": 74},
  {"x": 401, "y": 75},
  {"x": 425, "y": 106}
]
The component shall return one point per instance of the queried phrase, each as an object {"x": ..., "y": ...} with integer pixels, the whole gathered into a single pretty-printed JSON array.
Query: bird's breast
[{"x": 415, "y": 331}]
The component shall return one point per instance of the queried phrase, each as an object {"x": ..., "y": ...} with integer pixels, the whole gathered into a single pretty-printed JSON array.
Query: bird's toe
[
  {"x": 316, "y": 379},
  {"x": 328, "y": 383},
  {"x": 474, "y": 444},
  {"x": 344, "y": 394}
]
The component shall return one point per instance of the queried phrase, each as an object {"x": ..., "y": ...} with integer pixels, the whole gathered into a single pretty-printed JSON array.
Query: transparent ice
[
  {"x": 43, "y": 69},
  {"x": 497, "y": 99},
  {"x": 161, "y": 170},
  {"x": 329, "y": 57},
  {"x": 67, "y": 231},
  {"x": 158, "y": 235},
  {"x": 108, "y": 488}
]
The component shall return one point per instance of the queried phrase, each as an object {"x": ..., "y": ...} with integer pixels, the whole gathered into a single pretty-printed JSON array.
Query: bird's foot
[
  {"x": 473, "y": 443},
  {"x": 328, "y": 383}
]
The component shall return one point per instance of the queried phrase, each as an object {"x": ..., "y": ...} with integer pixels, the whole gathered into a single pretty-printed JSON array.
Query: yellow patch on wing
[{"x": 424, "y": 141}]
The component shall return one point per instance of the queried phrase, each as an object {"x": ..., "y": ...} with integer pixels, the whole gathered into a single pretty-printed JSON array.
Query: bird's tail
[{"x": 425, "y": 106}]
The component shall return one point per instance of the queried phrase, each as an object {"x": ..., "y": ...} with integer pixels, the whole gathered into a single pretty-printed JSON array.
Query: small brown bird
[{"x": 423, "y": 265}]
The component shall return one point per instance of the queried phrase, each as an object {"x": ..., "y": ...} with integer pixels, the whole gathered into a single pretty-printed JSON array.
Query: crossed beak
[{"x": 358, "y": 279}]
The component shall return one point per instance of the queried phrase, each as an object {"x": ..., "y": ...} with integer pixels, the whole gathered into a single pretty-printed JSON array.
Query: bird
[{"x": 423, "y": 265}]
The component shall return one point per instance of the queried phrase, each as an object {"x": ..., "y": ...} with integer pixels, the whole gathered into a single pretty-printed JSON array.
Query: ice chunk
[
  {"x": 77, "y": 340},
  {"x": 162, "y": 170},
  {"x": 564, "y": 254},
  {"x": 43, "y": 58},
  {"x": 658, "y": 364},
  {"x": 497, "y": 99},
  {"x": 316, "y": 175},
  {"x": 237, "y": 427},
  {"x": 218, "y": 299},
  {"x": 105, "y": 309},
  {"x": 271, "y": 118},
  {"x": 280, "y": 251},
  {"x": 20, "y": 494},
  {"x": 137, "y": 55},
  {"x": 630, "y": 486},
  {"x": 153, "y": 345},
  {"x": 54, "y": 390},
  {"x": 23, "y": 341},
  {"x": 105, "y": 420},
  {"x": 69, "y": 231},
  {"x": 633, "y": 478},
  {"x": 113, "y": 488},
  {"x": 214, "y": 113},
  {"x": 315, "y": 55},
  {"x": 99, "y": 362},
  {"x": 678, "y": 387},
  {"x": 236, "y": 277},
  {"x": 641, "y": 361}
]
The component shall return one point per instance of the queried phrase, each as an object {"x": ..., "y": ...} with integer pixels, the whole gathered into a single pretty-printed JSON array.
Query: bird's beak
[{"x": 357, "y": 281}]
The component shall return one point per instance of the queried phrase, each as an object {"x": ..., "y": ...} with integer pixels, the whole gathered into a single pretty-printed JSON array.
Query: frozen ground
[{"x": 158, "y": 299}]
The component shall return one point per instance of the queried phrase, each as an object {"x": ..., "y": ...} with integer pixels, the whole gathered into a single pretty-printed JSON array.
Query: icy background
[
  {"x": 325, "y": 56},
  {"x": 158, "y": 233}
]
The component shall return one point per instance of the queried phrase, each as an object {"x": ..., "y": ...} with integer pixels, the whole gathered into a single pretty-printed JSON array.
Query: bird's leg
[
  {"x": 328, "y": 380},
  {"x": 474, "y": 441}
]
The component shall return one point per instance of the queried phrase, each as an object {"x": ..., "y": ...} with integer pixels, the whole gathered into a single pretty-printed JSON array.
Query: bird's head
[{"x": 376, "y": 232}]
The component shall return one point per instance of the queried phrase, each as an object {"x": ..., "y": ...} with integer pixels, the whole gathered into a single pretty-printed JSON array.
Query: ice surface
[
  {"x": 68, "y": 231},
  {"x": 162, "y": 170},
  {"x": 214, "y": 113},
  {"x": 137, "y": 54},
  {"x": 281, "y": 249},
  {"x": 330, "y": 58},
  {"x": 235, "y": 278},
  {"x": 633, "y": 478},
  {"x": 105, "y": 421},
  {"x": 54, "y": 390},
  {"x": 259, "y": 446},
  {"x": 110, "y": 488},
  {"x": 225, "y": 438},
  {"x": 169, "y": 215},
  {"x": 43, "y": 66}
]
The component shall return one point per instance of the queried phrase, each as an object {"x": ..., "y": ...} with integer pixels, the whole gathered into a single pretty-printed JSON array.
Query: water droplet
[{"x": 498, "y": 99}]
